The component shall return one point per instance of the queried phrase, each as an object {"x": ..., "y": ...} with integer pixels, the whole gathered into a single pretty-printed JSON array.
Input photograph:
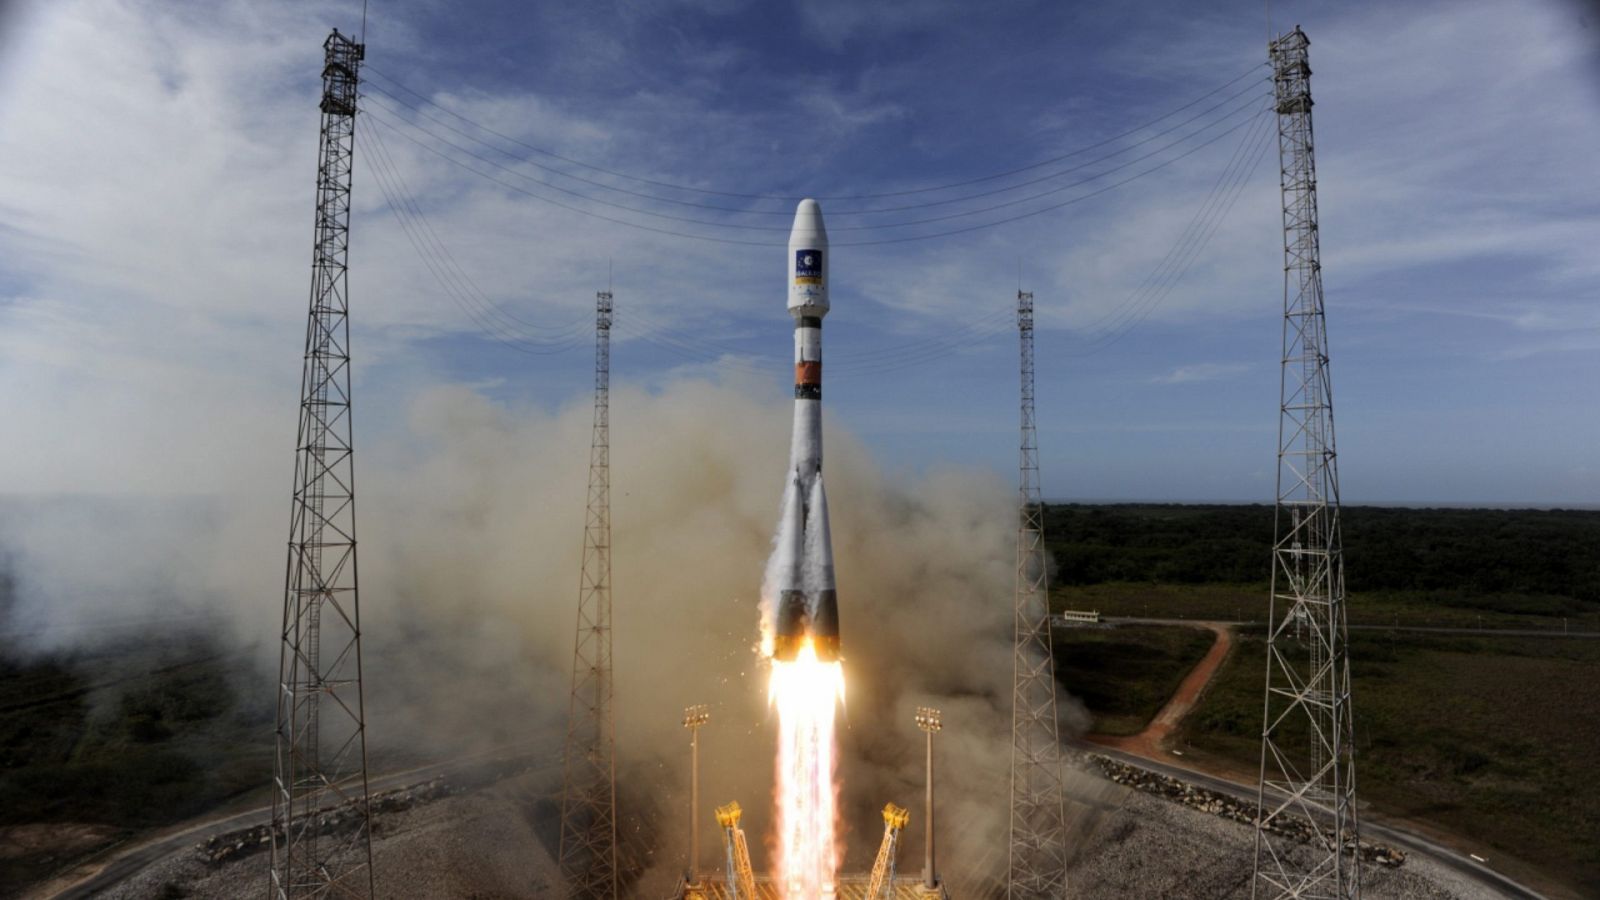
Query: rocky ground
[
  {"x": 479, "y": 845},
  {"x": 1149, "y": 846},
  {"x": 1136, "y": 835}
]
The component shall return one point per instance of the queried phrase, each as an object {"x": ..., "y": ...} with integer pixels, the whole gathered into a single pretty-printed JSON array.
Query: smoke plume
[{"x": 470, "y": 540}]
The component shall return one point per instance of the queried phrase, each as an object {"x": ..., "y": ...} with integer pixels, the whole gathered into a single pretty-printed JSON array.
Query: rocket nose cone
[
  {"x": 808, "y": 263},
  {"x": 808, "y": 219}
]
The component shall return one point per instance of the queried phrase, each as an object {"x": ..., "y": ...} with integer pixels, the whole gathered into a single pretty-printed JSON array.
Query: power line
[
  {"x": 592, "y": 214},
  {"x": 1054, "y": 206},
  {"x": 1250, "y": 104},
  {"x": 1245, "y": 107},
  {"x": 1126, "y": 315},
  {"x": 1152, "y": 290},
  {"x": 422, "y": 112},
  {"x": 701, "y": 350},
  {"x": 764, "y": 243},
  {"x": 565, "y": 335},
  {"x": 790, "y": 199},
  {"x": 400, "y": 207},
  {"x": 441, "y": 264},
  {"x": 574, "y": 328},
  {"x": 1156, "y": 285},
  {"x": 941, "y": 341},
  {"x": 1112, "y": 327}
]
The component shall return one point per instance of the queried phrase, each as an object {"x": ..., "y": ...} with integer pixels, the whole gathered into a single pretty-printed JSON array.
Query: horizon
[{"x": 1485, "y": 505}]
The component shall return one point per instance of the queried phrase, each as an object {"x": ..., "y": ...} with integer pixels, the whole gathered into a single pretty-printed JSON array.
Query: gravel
[
  {"x": 1152, "y": 847},
  {"x": 492, "y": 843},
  {"x": 479, "y": 846}
]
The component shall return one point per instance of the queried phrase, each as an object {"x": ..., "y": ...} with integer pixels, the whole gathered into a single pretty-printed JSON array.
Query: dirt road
[
  {"x": 1150, "y": 741},
  {"x": 1147, "y": 749}
]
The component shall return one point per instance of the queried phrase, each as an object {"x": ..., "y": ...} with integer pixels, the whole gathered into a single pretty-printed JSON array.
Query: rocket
[{"x": 808, "y": 602}]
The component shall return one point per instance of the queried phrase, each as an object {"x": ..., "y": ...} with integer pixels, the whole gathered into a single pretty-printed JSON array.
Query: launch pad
[
  {"x": 741, "y": 883},
  {"x": 850, "y": 887}
]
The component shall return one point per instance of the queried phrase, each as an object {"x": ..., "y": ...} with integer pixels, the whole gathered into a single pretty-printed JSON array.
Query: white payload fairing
[{"x": 808, "y": 602}]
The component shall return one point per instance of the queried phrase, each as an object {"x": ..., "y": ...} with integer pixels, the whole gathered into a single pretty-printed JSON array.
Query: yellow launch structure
[
  {"x": 741, "y": 882},
  {"x": 741, "y": 877},
  {"x": 894, "y": 819}
]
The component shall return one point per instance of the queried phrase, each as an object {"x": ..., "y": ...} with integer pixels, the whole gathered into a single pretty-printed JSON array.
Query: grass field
[
  {"x": 1248, "y": 602},
  {"x": 1488, "y": 737},
  {"x": 1492, "y": 738},
  {"x": 1125, "y": 675}
]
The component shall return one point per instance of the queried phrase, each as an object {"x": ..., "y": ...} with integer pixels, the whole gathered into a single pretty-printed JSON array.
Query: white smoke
[{"x": 470, "y": 542}]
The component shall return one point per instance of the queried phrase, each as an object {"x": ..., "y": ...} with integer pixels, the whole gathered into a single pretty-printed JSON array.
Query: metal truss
[
  {"x": 588, "y": 852},
  {"x": 1307, "y": 738},
  {"x": 321, "y": 825},
  {"x": 1038, "y": 849}
]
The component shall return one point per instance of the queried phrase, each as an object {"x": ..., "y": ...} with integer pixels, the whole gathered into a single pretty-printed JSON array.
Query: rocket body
[{"x": 808, "y": 601}]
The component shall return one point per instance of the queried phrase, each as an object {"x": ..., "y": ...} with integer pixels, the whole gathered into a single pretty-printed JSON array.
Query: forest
[{"x": 1551, "y": 553}]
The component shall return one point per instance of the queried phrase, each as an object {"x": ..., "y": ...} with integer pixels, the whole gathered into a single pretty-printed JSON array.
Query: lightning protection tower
[
  {"x": 1307, "y": 738},
  {"x": 321, "y": 834},
  {"x": 588, "y": 851},
  {"x": 1038, "y": 851}
]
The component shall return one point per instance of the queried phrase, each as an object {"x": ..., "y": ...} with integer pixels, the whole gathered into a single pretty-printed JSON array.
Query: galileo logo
[{"x": 808, "y": 267}]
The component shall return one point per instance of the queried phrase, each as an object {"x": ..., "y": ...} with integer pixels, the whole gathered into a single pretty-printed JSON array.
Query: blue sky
[{"x": 157, "y": 160}]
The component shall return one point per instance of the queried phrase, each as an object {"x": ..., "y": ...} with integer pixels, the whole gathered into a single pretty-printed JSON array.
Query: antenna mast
[
  {"x": 1038, "y": 851},
  {"x": 588, "y": 853},
  {"x": 320, "y": 762},
  {"x": 1307, "y": 736}
]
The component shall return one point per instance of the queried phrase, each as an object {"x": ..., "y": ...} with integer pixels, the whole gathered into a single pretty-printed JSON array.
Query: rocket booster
[{"x": 808, "y": 603}]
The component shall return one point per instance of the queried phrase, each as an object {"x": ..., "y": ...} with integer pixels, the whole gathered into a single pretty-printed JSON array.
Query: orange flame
[{"x": 806, "y": 692}]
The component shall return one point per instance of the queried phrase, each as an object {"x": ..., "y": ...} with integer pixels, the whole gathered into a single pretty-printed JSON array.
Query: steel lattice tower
[
  {"x": 321, "y": 834},
  {"x": 588, "y": 852},
  {"x": 1038, "y": 852},
  {"x": 1307, "y": 737}
]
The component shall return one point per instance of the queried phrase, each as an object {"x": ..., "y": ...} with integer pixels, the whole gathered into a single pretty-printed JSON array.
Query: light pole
[
  {"x": 930, "y": 721},
  {"x": 693, "y": 718}
]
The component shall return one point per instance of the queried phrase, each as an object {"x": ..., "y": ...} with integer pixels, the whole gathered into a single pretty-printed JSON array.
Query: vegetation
[
  {"x": 1125, "y": 675},
  {"x": 1487, "y": 736},
  {"x": 135, "y": 737},
  {"x": 1492, "y": 738},
  {"x": 1477, "y": 551},
  {"x": 1158, "y": 543},
  {"x": 1436, "y": 567}
]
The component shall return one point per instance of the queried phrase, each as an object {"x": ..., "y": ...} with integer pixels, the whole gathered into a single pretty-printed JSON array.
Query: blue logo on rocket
[{"x": 808, "y": 267}]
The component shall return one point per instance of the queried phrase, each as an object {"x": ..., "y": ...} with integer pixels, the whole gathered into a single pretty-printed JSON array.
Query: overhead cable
[
  {"x": 396, "y": 125},
  {"x": 408, "y": 215},
  {"x": 399, "y": 85},
  {"x": 768, "y": 243},
  {"x": 419, "y": 110}
]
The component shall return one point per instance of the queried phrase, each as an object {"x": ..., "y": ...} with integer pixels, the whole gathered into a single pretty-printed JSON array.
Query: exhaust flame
[{"x": 805, "y": 693}]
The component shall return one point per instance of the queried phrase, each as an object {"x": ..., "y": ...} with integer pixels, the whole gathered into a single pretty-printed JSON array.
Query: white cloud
[
  {"x": 155, "y": 192},
  {"x": 1201, "y": 372}
]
